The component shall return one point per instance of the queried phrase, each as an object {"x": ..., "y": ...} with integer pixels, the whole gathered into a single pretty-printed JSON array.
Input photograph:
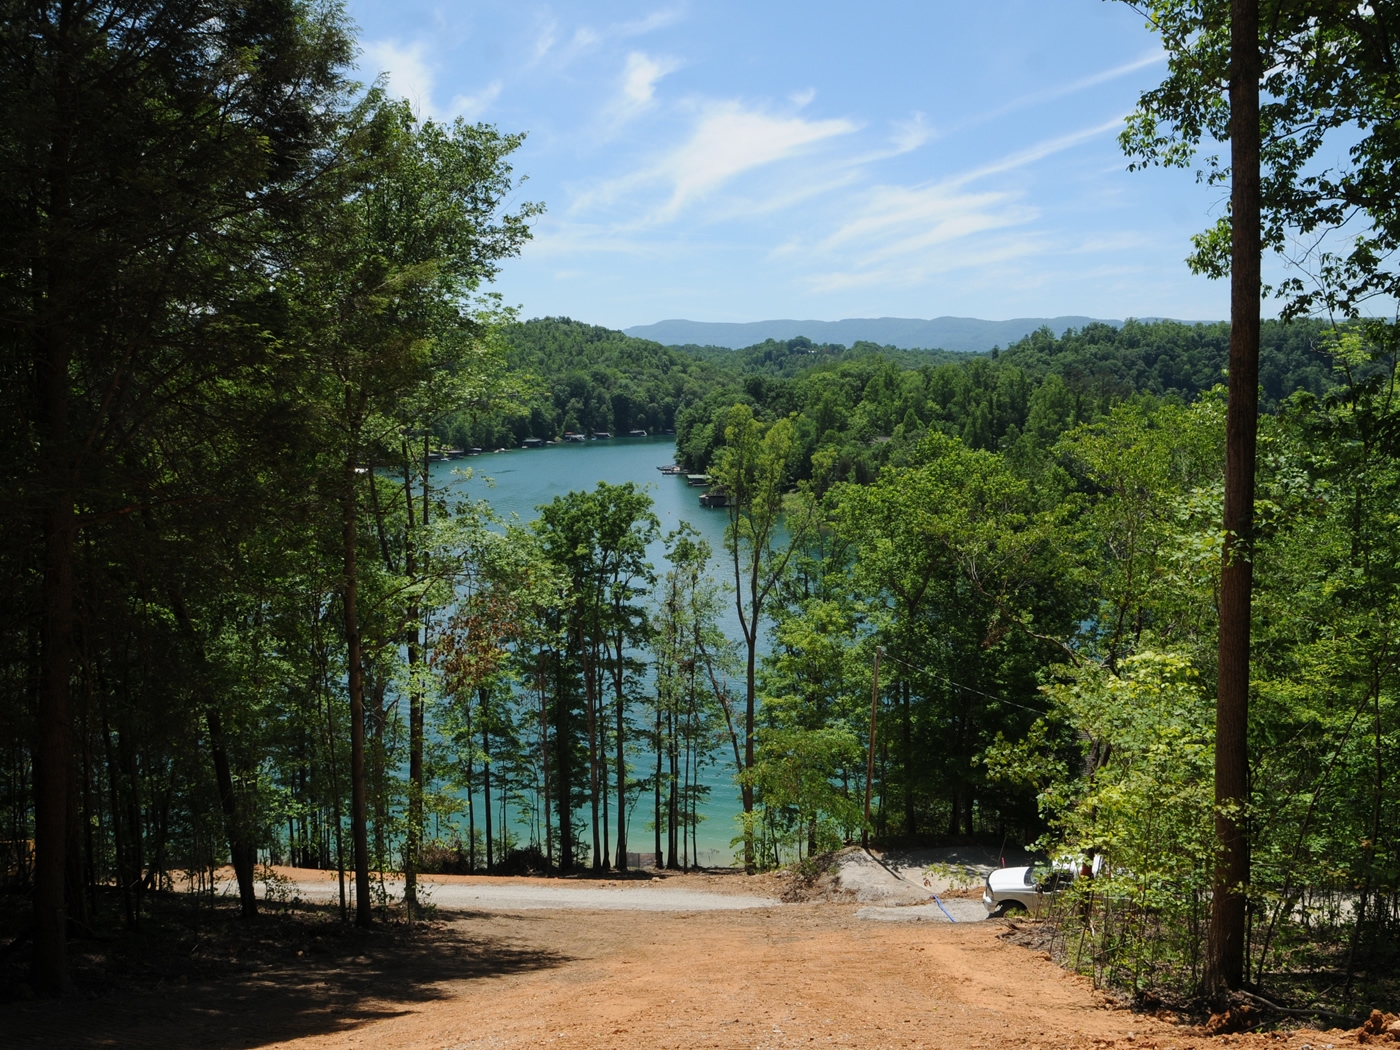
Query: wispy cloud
[
  {"x": 727, "y": 139},
  {"x": 650, "y": 23},
  {"x": 589, "y": 39},
  {"x": 546, "y": 36},
  {"x": 1039, "y": 151},
  {"x": 912, "y": 133},
  {"x": 638, "y": 92},
  {"x": 1049, "y": 94},
  {"x": 899, "y": 220},
  {"x": 896, "y": 233},
  {"x": 471, "y": 107},
  {"x": 410, "y": 75},
  {"x": 405, "y": 69}
]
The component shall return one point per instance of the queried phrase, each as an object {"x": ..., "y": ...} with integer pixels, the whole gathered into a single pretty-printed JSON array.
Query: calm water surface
[{"x": 518, "y": 481}]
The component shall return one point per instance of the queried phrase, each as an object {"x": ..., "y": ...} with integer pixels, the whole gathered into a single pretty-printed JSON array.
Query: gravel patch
[
  {"x": 961, "y": 911},
  {"x": 511, "y": 897}
]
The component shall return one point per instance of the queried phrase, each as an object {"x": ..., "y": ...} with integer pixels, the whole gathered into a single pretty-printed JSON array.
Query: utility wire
[{"x": 965, "y": 688}]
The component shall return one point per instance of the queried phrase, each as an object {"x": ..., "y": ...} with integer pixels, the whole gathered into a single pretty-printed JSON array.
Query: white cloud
[
  {"x": 895, "y": 233},
  {"x": 639, "y": 78},
  {"x": 471, "y": 107},
  {"x": 730, "y": 139},
  {"x": 964, "y": 262},
  {"x": 1039, "y": 151},
  {"x": 407, "y": 71},
  {"x": 912, "y": 133},
  {"x": 656, "y": 20},
  {"x": 410, "y": 75},
  {"x": 726, "y": 140},
  {"x": 801, "y": 98},
  {"x": 900, "y": 220},
  {"x": 548, "y": 36},
  {"x": 1050, "y": 94}
]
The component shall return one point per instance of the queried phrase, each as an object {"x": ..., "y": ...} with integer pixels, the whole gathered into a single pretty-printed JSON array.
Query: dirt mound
[
  {"x": 1236, "y": 1018},
  {"x": 1379, "y": 1028},
  {"x": 813, "y": 880},
  {"x": 871, "y": 882}
]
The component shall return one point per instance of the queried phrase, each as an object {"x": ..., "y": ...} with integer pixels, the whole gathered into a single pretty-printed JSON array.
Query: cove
[{"x": 516, "y": 482}]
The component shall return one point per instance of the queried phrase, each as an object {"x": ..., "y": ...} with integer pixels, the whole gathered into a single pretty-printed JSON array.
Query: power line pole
[{"x": 870, "y": 753}]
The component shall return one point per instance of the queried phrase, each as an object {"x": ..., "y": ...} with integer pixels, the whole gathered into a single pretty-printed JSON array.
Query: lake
[{"x": 518, "y": 481}]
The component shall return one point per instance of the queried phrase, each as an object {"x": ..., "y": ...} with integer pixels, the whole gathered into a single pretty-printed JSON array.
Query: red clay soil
[{"x": 801, "y": 975}]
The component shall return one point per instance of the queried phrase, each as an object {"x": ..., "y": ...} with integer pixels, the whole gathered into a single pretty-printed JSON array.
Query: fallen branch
[{"x": 1315, "y": 1011}]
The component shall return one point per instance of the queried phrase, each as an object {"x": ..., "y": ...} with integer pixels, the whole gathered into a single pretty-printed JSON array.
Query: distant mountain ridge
[{"x": 965, "y": 334}]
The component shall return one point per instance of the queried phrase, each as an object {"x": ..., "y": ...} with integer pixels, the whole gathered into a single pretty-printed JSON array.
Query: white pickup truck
[{"x": 1033, "y": 888}]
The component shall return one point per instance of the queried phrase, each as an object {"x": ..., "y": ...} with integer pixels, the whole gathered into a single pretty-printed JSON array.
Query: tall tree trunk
[
  {"x": 486, "y": 785},
  {"x": 563, "y": 803},
  {"x": 471, "y": 808},
  {"x": 359, "y": 829},
  {"x": 241, "y": 852},
  {"x": 413, "y": 833},
  {"x": 544, "y": 763},
  {"x": 621, "y": 757},
  {"x": 53, "y": 770},
  {"x": 746, "y": 793},
  {"x": 53, "y": 751},
  {"x": 656, "y": 786},
  {"x": 590, "y": 697},
  {"x": 910, "y": 824},
  {"x": 1225, "y": 952},
  {"x": 671, "y": 800}
]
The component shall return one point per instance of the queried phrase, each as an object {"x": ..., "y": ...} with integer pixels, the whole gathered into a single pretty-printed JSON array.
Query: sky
[{"x": 727, "y": 161}]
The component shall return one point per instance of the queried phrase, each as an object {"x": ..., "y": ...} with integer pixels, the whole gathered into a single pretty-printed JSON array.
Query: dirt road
[{"x": 793, "y": 975}]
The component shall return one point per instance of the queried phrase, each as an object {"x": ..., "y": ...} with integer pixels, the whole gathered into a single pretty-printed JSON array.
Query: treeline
[
  {"x": 865, "y": 403},
  {"x": 868, "y": 407}
]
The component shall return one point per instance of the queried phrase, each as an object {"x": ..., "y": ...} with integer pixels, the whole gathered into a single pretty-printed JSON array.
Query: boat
[
  {"x": 571, "y": 436},
  {"x": 672, "y": 470},
  {"x": 636, "y": 433},
  {"x": 600, "y": 435},
  {"x": 696, "y": 480}
]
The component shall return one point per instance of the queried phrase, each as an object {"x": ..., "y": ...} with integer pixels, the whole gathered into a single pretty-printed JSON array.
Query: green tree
[
  {"x": 598, "y": 541},
  {"x": 752, "y": 469},
  {"x": 384, "y": 284}
]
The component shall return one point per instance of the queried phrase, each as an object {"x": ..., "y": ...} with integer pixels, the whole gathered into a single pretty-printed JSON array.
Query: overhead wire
[{"x": 965, "y": 688}]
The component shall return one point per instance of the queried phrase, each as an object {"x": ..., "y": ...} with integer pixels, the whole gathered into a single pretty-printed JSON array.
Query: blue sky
[{"x": 740, "y": 161}]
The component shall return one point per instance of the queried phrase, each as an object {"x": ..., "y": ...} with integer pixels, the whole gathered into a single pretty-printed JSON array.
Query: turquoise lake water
[{"x": 518, "y": 481}]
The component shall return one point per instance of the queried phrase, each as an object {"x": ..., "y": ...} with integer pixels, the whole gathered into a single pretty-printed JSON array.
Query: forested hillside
[
  {"x": 581, "y": 378},
  {"x": 864, "y": 402},
  {"x": 867, "y": 406}
]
